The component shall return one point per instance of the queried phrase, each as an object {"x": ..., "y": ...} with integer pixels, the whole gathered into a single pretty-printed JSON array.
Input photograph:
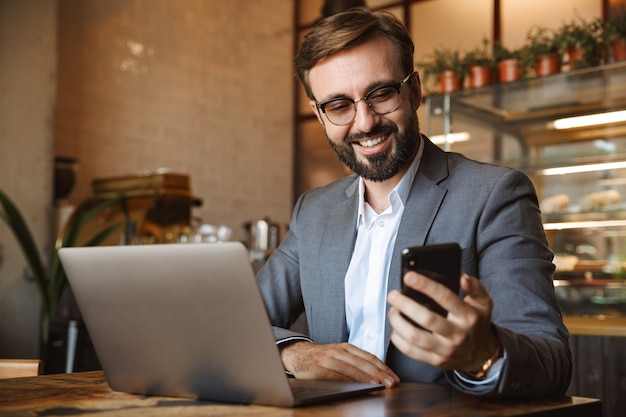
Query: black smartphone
[{"x": 440, "y": 262}]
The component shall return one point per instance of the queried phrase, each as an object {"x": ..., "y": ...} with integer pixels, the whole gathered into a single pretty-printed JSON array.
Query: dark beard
[{"x": 384, "y": 165}]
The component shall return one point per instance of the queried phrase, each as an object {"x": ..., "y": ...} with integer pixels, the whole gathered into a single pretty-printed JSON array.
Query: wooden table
[{"x": 88, "y": 394}]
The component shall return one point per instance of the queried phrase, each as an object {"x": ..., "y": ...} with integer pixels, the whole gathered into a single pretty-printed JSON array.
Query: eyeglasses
[{"x": 382, "y": 100}]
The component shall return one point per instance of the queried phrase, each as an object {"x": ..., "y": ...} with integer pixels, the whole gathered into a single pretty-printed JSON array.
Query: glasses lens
[
  {"x": 384, "y": 100},
  {"x": 340, "y": 112}
]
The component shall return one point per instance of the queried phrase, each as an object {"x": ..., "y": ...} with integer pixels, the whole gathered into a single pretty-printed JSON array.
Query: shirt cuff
[
  {"x": 292, "y": 339},
  {"x": 480, "y": 386}
]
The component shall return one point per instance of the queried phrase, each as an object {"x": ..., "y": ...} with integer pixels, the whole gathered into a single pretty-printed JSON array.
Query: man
[{"x": 340, "y": 261}]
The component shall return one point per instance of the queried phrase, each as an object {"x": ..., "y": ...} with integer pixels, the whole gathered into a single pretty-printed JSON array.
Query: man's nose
[{"x": 365, "y": 118}]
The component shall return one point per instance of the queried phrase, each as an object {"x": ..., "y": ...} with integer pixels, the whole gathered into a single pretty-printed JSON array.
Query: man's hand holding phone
[{"x": 451, "y": 333}]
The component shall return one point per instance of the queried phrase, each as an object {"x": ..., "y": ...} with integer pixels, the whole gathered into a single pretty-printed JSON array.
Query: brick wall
[
  {"x": 27, "y": 85},
  {"x": 198, "y": 86}
]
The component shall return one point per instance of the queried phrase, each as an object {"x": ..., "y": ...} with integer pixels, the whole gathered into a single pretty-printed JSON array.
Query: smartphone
[{"x": 440, "y": 262}]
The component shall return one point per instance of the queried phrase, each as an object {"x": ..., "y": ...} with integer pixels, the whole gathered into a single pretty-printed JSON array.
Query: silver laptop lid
[{"x": 183, "y": 320}]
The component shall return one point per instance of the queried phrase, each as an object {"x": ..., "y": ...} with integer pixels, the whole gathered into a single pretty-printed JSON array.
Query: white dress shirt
[{"x": 368, "y": 273}]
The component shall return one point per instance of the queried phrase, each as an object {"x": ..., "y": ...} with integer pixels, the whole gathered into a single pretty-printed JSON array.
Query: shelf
[
  {"x": 569, "y": 93},
  {"x": 617, "y": 214},
  {"x": 524, "y": 108},
  {"x": 598, "y": 294},
  {"x": 596, "y": 326},
  {"x": 582, "y": 158}
]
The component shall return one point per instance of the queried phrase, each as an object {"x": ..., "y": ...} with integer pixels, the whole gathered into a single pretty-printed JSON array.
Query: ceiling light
[
  {"x": 584, "y": 224},
  {"x": 583, "y": 168},
  {"x": 450, "y": 138},
  {"x": 589, "y": 120}
]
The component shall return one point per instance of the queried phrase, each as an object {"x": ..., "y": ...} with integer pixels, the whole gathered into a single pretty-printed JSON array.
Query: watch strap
[{"x": 480, "y": 374}]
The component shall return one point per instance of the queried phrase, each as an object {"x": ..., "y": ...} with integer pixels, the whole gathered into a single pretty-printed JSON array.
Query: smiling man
[{"x": 340, "y": 261}]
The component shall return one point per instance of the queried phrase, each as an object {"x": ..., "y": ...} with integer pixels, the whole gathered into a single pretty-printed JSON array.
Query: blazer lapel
[{"x": 335, "y": 253}]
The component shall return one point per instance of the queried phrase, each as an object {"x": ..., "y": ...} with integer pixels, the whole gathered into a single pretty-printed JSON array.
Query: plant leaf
[
  {"x": 83, "y": 216},
  {"x": 60, "y": 278},
  {"x": 51, "y": 285},
  {"x": 16, "y": 223}
]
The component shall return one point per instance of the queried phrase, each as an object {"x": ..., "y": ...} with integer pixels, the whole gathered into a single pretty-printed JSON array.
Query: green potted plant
[
  {"x": 480, "y": 64},
  {"x": 509, "y": 62},
  {"x": 52, "y": 281},
  {"x": 541, "y": 51},
  {"x": 614, "y": 34},
  {"x": 446, "y": 66},
  {"x": 582, "y": 41}
]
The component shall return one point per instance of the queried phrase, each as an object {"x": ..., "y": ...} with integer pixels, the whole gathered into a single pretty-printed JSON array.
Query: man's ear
[
  {"x": 416, "y": 89},
  {"x": 316, "y": 111}
]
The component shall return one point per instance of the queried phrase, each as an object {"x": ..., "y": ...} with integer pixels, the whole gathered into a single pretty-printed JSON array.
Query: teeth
[{"x": 371, "y": 142}]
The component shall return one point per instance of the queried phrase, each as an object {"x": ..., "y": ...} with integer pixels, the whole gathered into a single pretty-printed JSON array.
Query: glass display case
[{"x": 544, "y": 127}]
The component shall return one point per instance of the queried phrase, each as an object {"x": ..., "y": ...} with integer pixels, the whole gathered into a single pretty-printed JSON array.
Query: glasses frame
[{"x": 397, "y": 86}]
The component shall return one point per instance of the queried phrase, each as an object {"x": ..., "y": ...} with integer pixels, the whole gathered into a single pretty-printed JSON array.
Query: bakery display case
[{"x": 544, "y": 126}]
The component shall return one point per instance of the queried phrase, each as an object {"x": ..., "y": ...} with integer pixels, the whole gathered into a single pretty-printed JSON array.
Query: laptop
[{"x": 186, "y": 320}]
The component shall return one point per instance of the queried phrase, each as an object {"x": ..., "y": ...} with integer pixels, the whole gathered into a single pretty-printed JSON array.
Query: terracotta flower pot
[
  {"x": 479, "y": 76},
  {"x": 618, "y": 47},
  {"x": 547, "y": 64},
  {"x": 450, "y": 81},
  {"x": 508, "y": 70},
  {"x": 573, "y": 55}
]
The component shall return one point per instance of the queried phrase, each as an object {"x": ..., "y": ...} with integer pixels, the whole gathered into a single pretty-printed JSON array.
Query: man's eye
[
  {"x": 339, "y": 106},
  {"x": 382, "y": 94}
]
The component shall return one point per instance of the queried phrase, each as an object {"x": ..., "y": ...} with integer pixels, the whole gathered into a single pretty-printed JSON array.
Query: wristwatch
[{"x": 486, "y": 365}]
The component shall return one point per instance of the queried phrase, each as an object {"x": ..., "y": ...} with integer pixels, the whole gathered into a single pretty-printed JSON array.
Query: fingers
[
  {"x": 419, "y": 313},
  {"x": 368, "y": 367},
  {"x": 420, "y": 344},
  {"x": 342, "y": 362},
  {"x": 477, "y": 295},
  {"x": 450, "y": 342}
]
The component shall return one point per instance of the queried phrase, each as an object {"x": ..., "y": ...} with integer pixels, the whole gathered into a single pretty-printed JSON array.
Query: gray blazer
[{"x": 491, "y": 211}]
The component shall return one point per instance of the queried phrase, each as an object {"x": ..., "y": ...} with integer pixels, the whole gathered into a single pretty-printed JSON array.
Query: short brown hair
[{"x": 345, "y": 30}]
